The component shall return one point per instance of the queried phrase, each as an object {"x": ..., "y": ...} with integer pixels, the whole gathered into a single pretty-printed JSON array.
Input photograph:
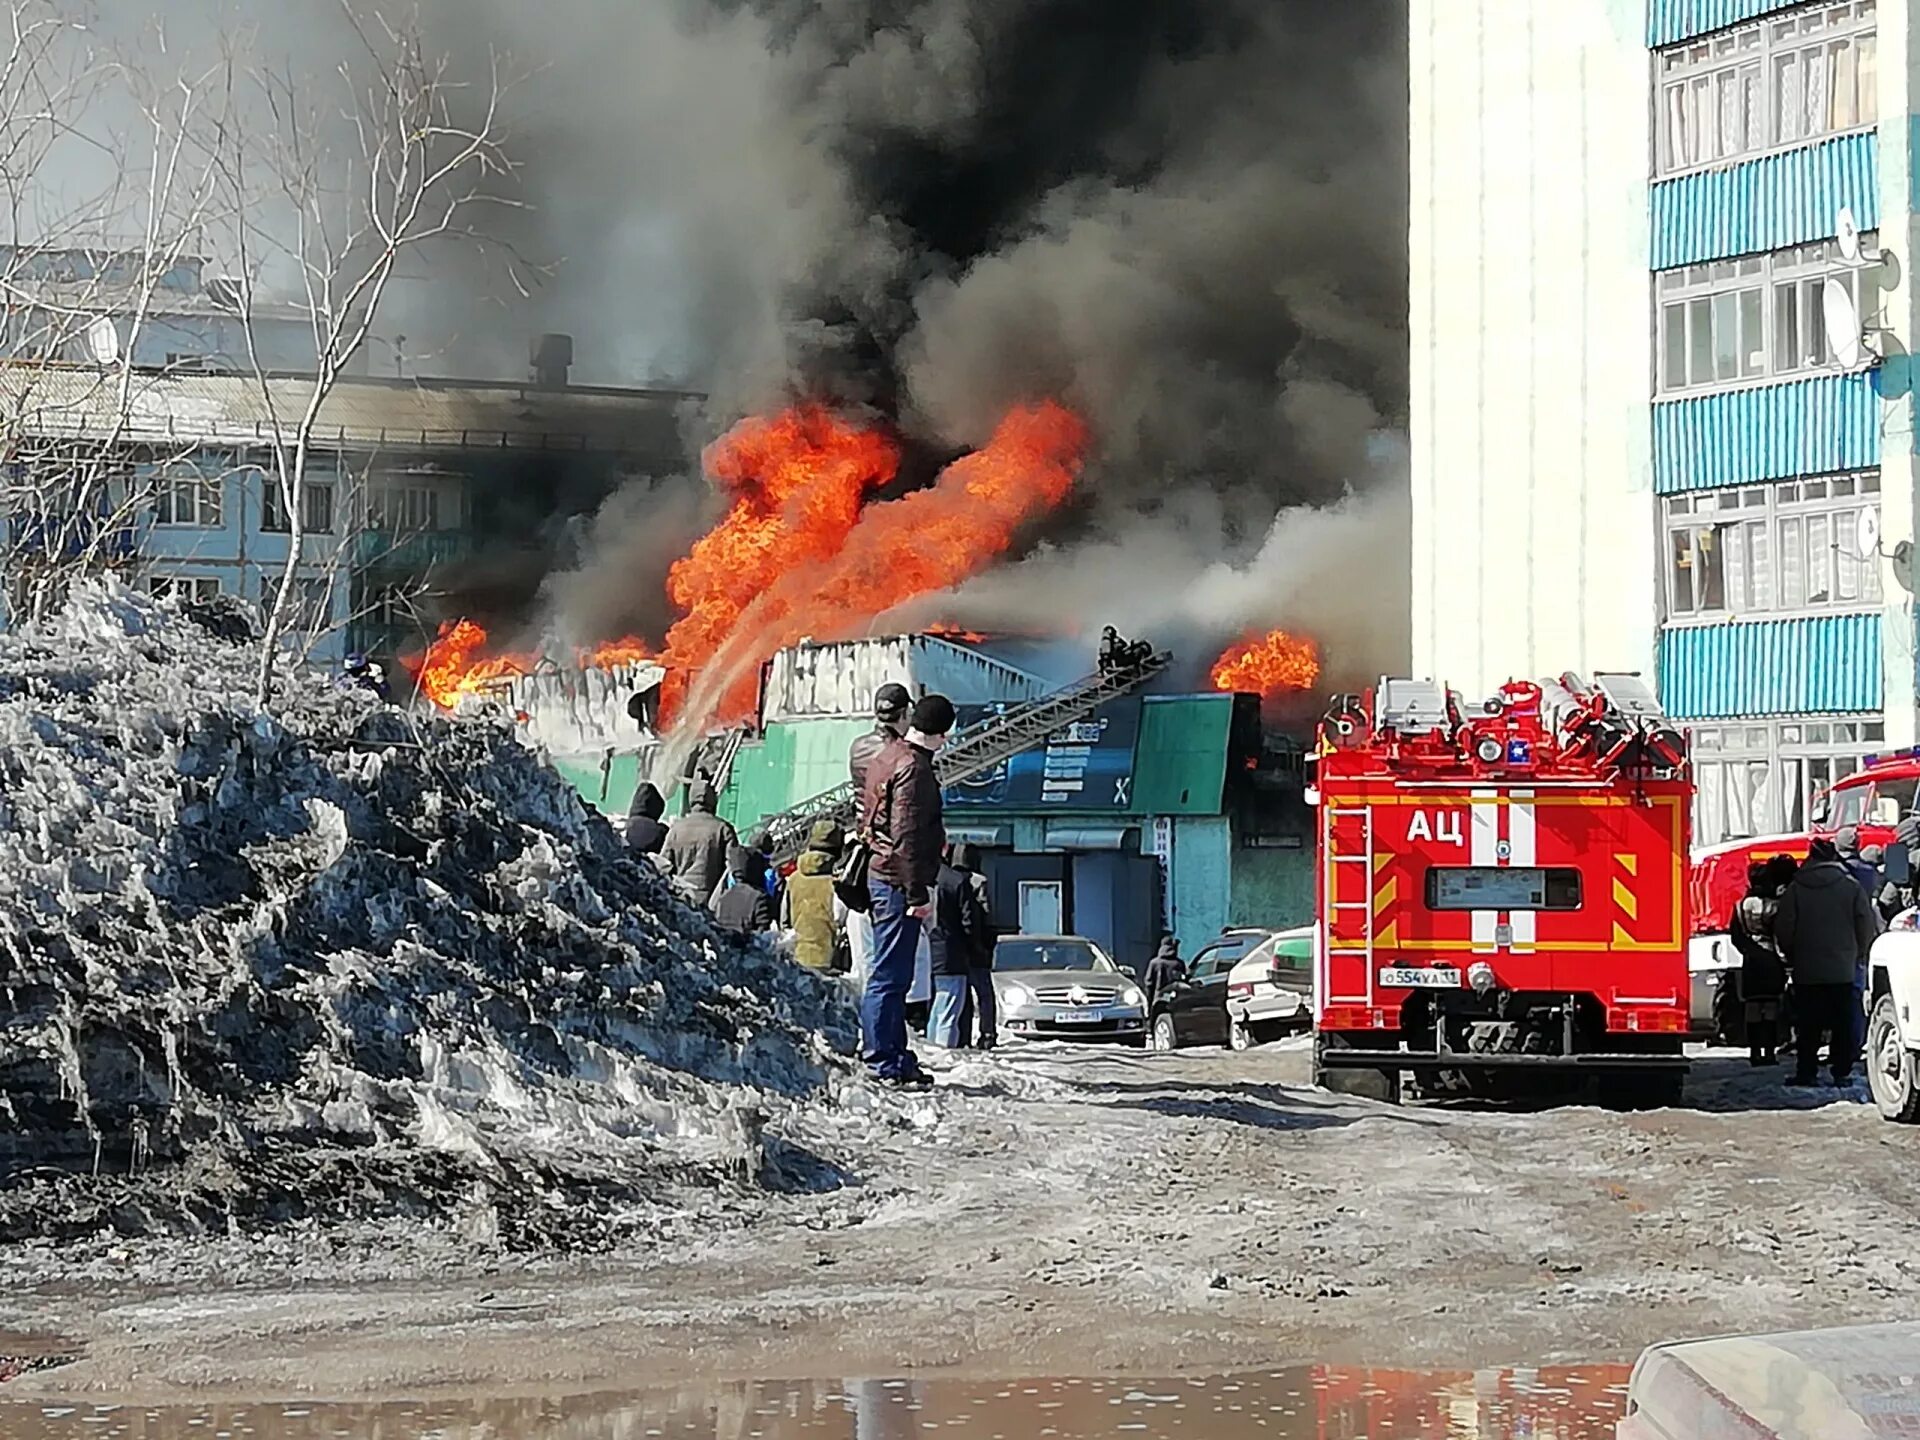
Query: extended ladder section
[
  {"x": 1349, "y": 860},
  {"x": 1020, "y": 728},
  {"x": 729, "y": 751}
]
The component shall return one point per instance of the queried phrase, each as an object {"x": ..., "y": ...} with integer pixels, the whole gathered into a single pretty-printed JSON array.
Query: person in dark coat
[
  {"x": 696, "y": 846},
  {"x": 1165, "y": 970},
  {"x": 363, "y": 673},
  {"x": 760, "y": 841},
  {"x": 1866, "y": 874},
  {"x": 1825, "y": 925},
  {"x": 1763, "y": 975},
  {"x": 890, "y": 704},
  {"x": 983, "y": 1004},
  {"x": 901, "y": 821},
  {"x": 954, "y": 941},
  {"x": 645, "y": 833},
  {"x": 745, "y": 908}
]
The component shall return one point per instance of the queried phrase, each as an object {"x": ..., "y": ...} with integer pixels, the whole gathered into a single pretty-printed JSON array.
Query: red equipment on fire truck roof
[{"x": 1502, "y": 889}]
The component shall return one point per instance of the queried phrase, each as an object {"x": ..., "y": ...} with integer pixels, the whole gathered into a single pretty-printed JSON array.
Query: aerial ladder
[{"x": 1019, "y": 728}]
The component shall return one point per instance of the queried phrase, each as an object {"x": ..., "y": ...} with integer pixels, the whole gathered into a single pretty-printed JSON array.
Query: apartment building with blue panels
[
  {"x": 1766, "y": 459},
  {"x": 1634, "y": 446}
]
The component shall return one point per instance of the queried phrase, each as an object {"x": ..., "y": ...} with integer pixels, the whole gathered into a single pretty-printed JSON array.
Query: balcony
[{"x": 412, "y": 553}]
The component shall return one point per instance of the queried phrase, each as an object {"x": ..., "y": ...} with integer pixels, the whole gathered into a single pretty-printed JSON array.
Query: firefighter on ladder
[{"x": 1117, "y": 654}]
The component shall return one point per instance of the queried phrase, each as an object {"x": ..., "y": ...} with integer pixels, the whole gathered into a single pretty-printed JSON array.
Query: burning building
[
  {"x": 1145, "y": 814},
  {"x": 1151, "y": 813}
]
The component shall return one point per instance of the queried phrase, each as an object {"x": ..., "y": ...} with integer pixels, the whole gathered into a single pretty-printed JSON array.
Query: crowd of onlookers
[
  {"x": 1803, "y": 930},
  {"x": 890, "y": 904}
]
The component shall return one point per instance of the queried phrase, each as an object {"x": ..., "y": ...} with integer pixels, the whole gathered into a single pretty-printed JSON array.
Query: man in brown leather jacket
[
  {"x": 901, "y": 819},
  {"x": 890, "y": 704}
]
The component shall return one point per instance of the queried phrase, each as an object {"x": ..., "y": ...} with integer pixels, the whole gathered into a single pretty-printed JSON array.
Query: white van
[{"x": 1848, "y": 1384}]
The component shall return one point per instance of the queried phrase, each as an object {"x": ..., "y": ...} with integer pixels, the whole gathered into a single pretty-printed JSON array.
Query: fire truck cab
[
  {"x": 1873, "y": 800},
  {"x": 1502, "y": 890}
]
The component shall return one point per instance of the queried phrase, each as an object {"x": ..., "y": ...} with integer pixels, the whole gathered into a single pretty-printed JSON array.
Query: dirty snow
[{"x": 340, "y": 961}]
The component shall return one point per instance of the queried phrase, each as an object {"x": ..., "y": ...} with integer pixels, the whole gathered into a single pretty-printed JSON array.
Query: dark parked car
[{"x": 1194, "y": 1012}]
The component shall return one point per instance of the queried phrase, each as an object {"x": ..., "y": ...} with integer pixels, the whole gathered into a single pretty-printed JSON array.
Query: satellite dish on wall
[
  {"x": 1842, "y": 320},
  {"x": 1847, "y": 232},
  {"x": 1866, "y": 535},
  {"x": 103, "y": 341}
]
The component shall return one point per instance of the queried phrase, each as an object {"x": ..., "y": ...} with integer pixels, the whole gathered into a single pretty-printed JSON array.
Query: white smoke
[{"x": 1336, "y": 574}]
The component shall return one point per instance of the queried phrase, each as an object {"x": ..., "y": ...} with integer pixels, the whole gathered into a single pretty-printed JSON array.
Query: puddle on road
[{"x": 1315, "y": 1403}]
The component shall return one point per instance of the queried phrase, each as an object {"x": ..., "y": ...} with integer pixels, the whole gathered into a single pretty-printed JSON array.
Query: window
[
  {"x": 192, "y": 589},
  {"x": 1892, "y": 801},
  {"x": 312, "y": 602},
  {"x": 389, "y": 607},
  {"x": 183, "y": 495},
  {"x": 1503, "y": 887},
  {"x": 403, "y": 509},
  {"x": 1760, "y": 778},
  {"x": 1781, "y": 81},
  {"x": 317, "y": 518},
  {"x": 1768, "y": 549},
  {"x": 1757, "y": 317}
]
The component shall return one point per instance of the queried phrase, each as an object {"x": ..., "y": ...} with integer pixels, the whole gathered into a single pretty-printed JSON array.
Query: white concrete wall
[
  {"x": 808, "y": 681},
  {"x": 1533, "y": 526},
  {"x": 1899, "y": 54}
]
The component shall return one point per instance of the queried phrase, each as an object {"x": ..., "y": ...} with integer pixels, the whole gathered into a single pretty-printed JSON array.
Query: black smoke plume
[{"x": 1186, "y": 218}]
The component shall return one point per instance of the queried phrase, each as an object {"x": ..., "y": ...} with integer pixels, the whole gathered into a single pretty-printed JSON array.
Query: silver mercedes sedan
[{"x": 1065, "y": 987}]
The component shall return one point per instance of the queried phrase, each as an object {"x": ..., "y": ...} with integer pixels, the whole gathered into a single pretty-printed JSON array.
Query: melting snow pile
[{"x": 345, "y": 962}]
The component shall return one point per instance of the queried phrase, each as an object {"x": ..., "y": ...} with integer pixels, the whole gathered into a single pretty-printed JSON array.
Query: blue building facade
[
  {"x": 216, "y": 524},
  {"x": 1767, "y": 451},
  {"x": 423, "y": 498}
]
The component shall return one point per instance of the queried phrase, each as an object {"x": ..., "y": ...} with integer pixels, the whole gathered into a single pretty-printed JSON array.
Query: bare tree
[
  {"x": 100, "y": 198},
  {"x": 330, "y": 188}
]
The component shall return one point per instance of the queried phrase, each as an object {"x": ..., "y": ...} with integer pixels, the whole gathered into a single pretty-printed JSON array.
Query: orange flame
[
  {"x": 798, "y": 479},
  {"x": 801, "y": 552},
  {"x": 923, "y": 542},
  {"x": 614, "y": 654},
  {"x": 1268, "y": 665},
  {"x": 456, "y": 665}
]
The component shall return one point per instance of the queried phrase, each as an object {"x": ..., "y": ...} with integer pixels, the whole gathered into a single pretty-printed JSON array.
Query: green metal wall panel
[
  {"x": 1180, "y": 764},
  {"x": 793, "y": 762},
  {"x": 1202, "y": 879},
  {"x": 583, "y": 773},
  {"x": 1271, "y": 888}
]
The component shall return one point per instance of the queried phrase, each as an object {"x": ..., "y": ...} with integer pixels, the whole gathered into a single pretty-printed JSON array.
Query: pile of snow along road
[{"x": 344, "y": 962}]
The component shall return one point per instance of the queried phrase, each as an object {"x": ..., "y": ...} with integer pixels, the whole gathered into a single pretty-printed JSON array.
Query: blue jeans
[
  {"x": 883, "y": 1008},
  {"x": 948, "y": 1026},
  {"x": 982, "y": 1005}
]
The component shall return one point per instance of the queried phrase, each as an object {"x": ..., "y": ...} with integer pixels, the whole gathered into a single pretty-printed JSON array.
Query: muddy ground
[{"x": 1059, "y": 1211}]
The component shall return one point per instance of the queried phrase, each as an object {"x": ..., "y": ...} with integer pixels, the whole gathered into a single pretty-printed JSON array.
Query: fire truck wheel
[
  {"x": 1891, "y": 1070},
  {"x": 1381, "y": 1085}
]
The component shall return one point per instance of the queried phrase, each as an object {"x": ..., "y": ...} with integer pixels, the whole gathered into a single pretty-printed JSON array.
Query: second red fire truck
[{"x": 1502, "y": 890}]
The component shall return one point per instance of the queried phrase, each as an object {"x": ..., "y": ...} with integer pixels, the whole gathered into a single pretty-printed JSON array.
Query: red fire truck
[
  {"x": 1873, "y": 800},
  {"x": 1502, "y": 890}
]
